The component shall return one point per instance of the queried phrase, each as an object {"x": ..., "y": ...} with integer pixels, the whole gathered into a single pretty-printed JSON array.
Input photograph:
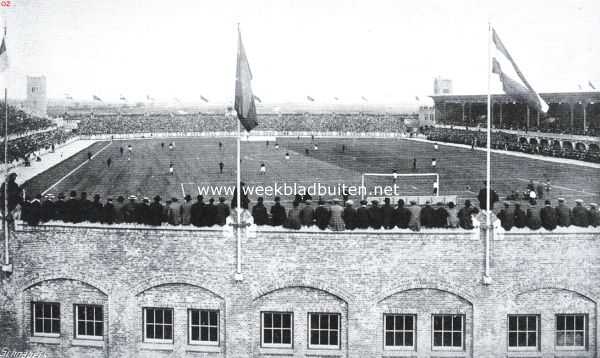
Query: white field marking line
[
  {"x": 76, "y": 169},
  {"x": 561, "y": 187},
  {"x": 414, "y": 187},
  {"x": 182, "y": 190}
]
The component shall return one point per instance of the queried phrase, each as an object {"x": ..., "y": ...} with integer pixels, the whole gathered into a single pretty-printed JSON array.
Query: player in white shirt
[
  {"x": 436, "y": 186},
  {"x": 171, "y": 168},
  {"x": 433, "y": 163},
  {"x": 263, "y": 169}
]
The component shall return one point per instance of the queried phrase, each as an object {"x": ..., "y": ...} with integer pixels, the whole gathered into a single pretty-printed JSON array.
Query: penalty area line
[{"x": 76, "y": 169}]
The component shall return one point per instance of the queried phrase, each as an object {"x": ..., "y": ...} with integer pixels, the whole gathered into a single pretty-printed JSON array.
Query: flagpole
[
  {"x": 6, "y": 260},
  {"x": 488, "y": 160},
  {"x": 239, "y": 191}
]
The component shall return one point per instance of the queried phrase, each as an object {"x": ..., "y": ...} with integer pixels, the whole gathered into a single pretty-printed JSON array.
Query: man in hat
[
  {"x": 197, "y": 211},
  {"x": 349, "y": 215},
  {"x": 85, "y": 206},
  {"x": 401, "y": 215},
  {"x": 336, "y": 222},
  {"x": 47, "y": 208},
  {"x": 175, "y": 212},
  {"x": 534, "y": 220},
  {"x": 427, "y": 215},
  {"x": 130, "y": 210},
  {"x": 95, "y": 212},
  {"x": 34, "y": 209},
  {"x": 186, "y": 210},
  {"x": 307, "y": 214},
  {"x": 482, "y": 197},
  {"x": 108, "y": 212},
  {"x": 13, "y": 192},
  {"x": 464, "y": 215},
  {"x": 209, "y": 213},
  {"x": 155, "y": 212},
  {"x": 278, "y": 214},
  {"x": 520, "y": 217},
  {"x": 594, "y": 215},
  {"x": 549, "y": 216},
  {"x": 143, "y": 211},
  {"x": 507, "y": 216},
  {"x": 564, "y": 213},
  {"x": 72, "y": 208},
  {"x": 222, "y": 212},
  {"x": 362, "y": 215},
  {"x": 118, "y": 205},
  {"x": 580, "y": 215},
  {"x": 441, "y": 216},
  {"x": 414, "y": 223},
  {"x": 375, "y": 215},
  {"x": 59, "y": 208},
  {"x": 322, "y": 215},
  {"x": 259, "y": 212},
  {"x": 388, "y": 213}
]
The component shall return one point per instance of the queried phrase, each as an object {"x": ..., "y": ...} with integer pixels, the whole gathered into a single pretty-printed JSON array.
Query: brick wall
[{"x": 360, "y": 276}]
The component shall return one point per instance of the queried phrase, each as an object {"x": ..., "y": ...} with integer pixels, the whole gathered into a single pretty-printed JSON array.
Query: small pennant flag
[
  {"x": 257, "y": 99},
  {"x": 3, "y": 56},
  {"x": 244, "y": 98},
  {"x": 417, "y": 98},
  {"x": 204, "y": 99},
  {"x": 122, "y": 98},
  {"x": 149, "y": 98},
  {"x": 513, "y": 81},
  {"x": 96, "y": 98},
  {"x": 591, "y": 85},
  {"x": 580, "y": 88},
  {"x": 310, "y": 98},
  {"x": 364, "y": 98},
  {"x": 68, "y": 96}
]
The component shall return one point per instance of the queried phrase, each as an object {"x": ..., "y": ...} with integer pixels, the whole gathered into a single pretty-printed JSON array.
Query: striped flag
[
  {"x": 591, "y": 85},
  {"x": 204, "y": 99},
  {"x": 513, "y": 81},
  {"x": 310, "y": 98},
  {"x": 96, "y": 98},
  {"x": 68, "y": 96},
  {"x": 149, "y": 98},
  {"x": 244, "y": 98},
  {"x": 3, "y": 56},
  {"x": 122, "y": 98},
  {"x": 257, "y": 99}
]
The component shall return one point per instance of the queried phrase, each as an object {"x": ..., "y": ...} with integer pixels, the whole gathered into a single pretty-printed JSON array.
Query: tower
[
  {"x": 442, "y": 86},
  {"x": 37, "y": 100}
]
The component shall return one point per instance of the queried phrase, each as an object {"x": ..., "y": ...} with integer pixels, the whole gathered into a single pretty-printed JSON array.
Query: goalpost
[{"x": 398, "y": 176}]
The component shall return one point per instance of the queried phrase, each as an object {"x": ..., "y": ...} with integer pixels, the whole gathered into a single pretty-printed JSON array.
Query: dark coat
[
  {"x": 580, "y": 216},
  {"x": 130, "y": 212},
  {"x": 47, "y": 211},
  {"x": 362, "y": 217},
  {"x": 441, "y": 217},
  {"x": 402, "y": 217},
  {"x": 32, "y": 212},
  {"x": 549, "y": 217},
  {"x": 375, "y": 217},
  {"x": 95, "y": 212},
  {"x": 307, "y": 215},
  {"x": 197, "y": 213},
  {"x": 388, "y": 216},
  {"x": 520, "y": 218},
  {"x": 277, "y": 214},
  {"x": 534, "y": 219},
  {"x": 464, "y": 215},
  {"x": 222, "y": 213},
  {"x": 210, "y": 214},
  {"x": 322, "y": 216},
  {"x": 60, "y": 210},
  {"x": 85, "y": 208},
  {"x": 143, "y": 214},
  {"x": 427, "y": 216},
  {"x": 564, "y": 215},
  {"x": 482, "y": 196},
  {"x": 293, "y": 219},
  {"x": 72, "y": 211},
  {"x": 507, "y": 218},
  {"x": 155, "y": 214},
  {"x": 260, "y": 215},
  {"x": 349, "y": 217},
  {"x": 108, "y": 213}
]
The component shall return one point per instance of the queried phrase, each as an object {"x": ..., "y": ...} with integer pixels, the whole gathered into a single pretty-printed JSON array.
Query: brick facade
[{"x": 360, "y": 276}]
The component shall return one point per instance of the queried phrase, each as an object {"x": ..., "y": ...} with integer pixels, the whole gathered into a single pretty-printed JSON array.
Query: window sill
[
  {"x": 157, "y": 346},
  {"x": 276, "y": 351},
  {"x": 44, "y": 340},
  {"x": 87, "y": 343},
  {"x": 399, "y": 353},
  {"x": 201, "y": 348},
  {"x": 328, "y": 352}
]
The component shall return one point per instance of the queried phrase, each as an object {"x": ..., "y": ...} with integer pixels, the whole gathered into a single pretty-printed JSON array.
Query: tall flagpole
[
  {"x": 6, "y": 259},
  {"x": 239, "y": 189},
  {"x": 488, "y": 161}
]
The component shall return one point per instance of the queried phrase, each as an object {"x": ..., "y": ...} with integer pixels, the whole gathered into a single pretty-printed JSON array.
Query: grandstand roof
[{"x": 550, "y": 97}]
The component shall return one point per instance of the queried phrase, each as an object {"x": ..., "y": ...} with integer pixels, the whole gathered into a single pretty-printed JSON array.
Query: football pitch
[{"x": 145, "y": 172}]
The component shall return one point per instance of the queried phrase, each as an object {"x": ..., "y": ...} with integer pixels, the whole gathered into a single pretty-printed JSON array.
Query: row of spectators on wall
[
  {"x": 23, "y": 148},
  {"x": 510, "y": 141},
  {"x": 20, "y": 122},
  {"x": 312, "y": 122},
  {"x": 333, "y": 215}
]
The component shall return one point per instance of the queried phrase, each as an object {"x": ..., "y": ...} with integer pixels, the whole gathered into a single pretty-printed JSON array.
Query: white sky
[{"x": 387, "y": 51}]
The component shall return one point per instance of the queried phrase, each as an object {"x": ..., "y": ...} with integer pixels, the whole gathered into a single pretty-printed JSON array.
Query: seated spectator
[
  {"x": 453, "y": 220},
  {"x": 322, "y": 215},
  {"x": 594, "y": 215},
  {"x": 441, "y": 216},
  {"x": 427, "y": 215},
  {"x": 520, "y": 217},
  {"x": 259, "y": 213},
  {"x": 402, "y": 215},
  {"x": 293, "y": 218},
  {"x": 222, "y": 212},
  {"x": 108, "y": 212},
  {"x": 507, "y": 216},
  {"x": 349, "y": 215},
  {"x": 155, "y": 212},
  {"x": 307, "y": 214},
  {"x": 534, "y": 220},
  {"x": 336, "y": 222},
  {"x": 278, "y": 215},
  {"x": 465, "y": 215},
  {"x": 564, "y": 213},
  {"x": 362, "y": 215},
  {"x": 210, "y": 213},
  {"x": 375, "y": 215},
  {"x": 414, "y": 223},
  {"x": 580, "y": 215},
  {"x": 388, "y": 214},
  {"x": 548, "y": 216}
]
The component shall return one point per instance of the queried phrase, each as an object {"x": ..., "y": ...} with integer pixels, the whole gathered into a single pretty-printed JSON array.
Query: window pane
[
  {"x": 522, "y": 323},
  {"x": 158, "y": 332},
  {"x": 324, "y": 321},
  {"x": 268, "y": 320},
  {"x": 560, "y": 338},
  {"x": 168, "y": 316},
  {"x": 437, "y": 323},
  {"x": 47, "y": 309},
  {"x": 47, "y": 326},
  {"x": 457, "y": 339},
  {"x": 38, "y": 309},
  {"x": 195, "y": 317},
  {"x": 314, "y": 321},
  {"x": 457, "y": 323},
  {"x": 560, "y": 323},
  {"x": 314, "y": 337},
  {"x": 569, "y": 338},
  {"x": 447, "y": 339},
  {"x": 408, "y": 339},
  {"x": 512, "y": 323},
  {"x": 168, "y": 332},
  {"x": 159, "y": 316},
  {"x": 56, "y": 310},
  {"x": 213, "y": 318},
  {"x": 532, "y": 339},
  {"x": 399, "y": 339},
  {"x": 389, "y": 339},
  {"x": 287, "y": 321},
  {"x": 522, "y": 340},
  {"x": 579, "y": 339},
  {"x": 333, "y": 338},
  {"x": 195, "y": 333},
  {"x": 203, "y": 334},
  {"x": 277, "y": 336},
  {"x": 408, "y": 322},
  {"x": 447, "y": 323},
  {"x": 276, "y": 320},
  {"x": 213, "y": 334},
  {"x": 437, "y": 339},
  {"x": 98, "y": 313},
  {"x": 149, "y": 316},
  {"x": 399, "y": 323},
  {"x": 512, "y": 340},
  {"x": 38, "y": 325},
  {"x": 287, "y": 336},
  {"x": 268, "y": 336},
  {"x": 333, "y": 322},
  {"x": 89, "y": 312},
  {"x": 579, "y": 323},
  {"x": 80, "y": 313},
  {"x": 203, "y": 318},
  {"x": 99, "y": 329},
  {"x": 55, "y": 326},
  {"x": 323, "y": 338},
  {"x": 89, "y": 328},
  {"x": 570, "y": 322},
  {"x": 532, "y": 324},
  {"x": 389, "y": 323},
  {"x": 149, "y": 332}
]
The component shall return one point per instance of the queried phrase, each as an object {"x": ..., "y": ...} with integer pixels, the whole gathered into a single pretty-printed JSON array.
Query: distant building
[
  {"x": 37, "y": 100},
  {"x": 442, "y": 86}
]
